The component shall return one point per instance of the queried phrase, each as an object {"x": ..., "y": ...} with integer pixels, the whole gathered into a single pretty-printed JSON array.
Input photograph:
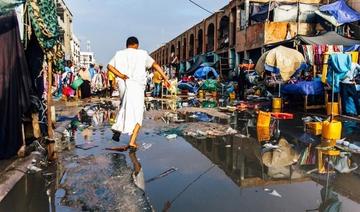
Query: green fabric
[
  {"x": 209, "y": 104},
  {"x": 44, "y": 22},
  {"x": 210, "y": 85},
  {"x": 8, "y": 5}
]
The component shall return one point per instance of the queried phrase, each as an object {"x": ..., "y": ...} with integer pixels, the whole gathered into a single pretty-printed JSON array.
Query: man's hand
[{"x": 124, "y": 77}]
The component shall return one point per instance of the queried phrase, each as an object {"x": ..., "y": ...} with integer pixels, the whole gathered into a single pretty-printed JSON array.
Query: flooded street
[{"x": 183, "y": 172}]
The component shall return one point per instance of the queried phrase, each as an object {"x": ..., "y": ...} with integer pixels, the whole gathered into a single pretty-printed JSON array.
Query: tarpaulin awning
[
  {"x": 15, "y": 85},
  {"x": 329, "y": 38},
  {"x": 204, "y": 72},
  {"x": 8, "y": 5},
  {"x": 340, "y": 12},
  {"x": 281, "y": 60}
]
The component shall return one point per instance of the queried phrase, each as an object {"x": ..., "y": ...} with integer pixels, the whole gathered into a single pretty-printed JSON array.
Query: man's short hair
[{"x": 132, "y": 41}]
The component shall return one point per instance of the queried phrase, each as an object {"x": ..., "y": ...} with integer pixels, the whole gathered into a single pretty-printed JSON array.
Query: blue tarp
[
  {"x": 339, "y": 65},
  {"x": 188, "y": 86},
  {"x": 203, "y": 72},
  {"x": 304, "y": 88},
  {"x": 341, "y": 12}
]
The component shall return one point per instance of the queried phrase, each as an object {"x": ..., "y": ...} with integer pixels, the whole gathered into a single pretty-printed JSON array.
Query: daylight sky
[{"x": 107, "y": 23}]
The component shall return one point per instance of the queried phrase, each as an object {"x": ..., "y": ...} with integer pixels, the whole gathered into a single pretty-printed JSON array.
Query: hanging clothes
[{"x": 15, "y": 86}]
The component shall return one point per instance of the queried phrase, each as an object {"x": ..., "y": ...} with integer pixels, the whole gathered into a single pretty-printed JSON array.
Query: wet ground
[{"x": 187, "y": 173}]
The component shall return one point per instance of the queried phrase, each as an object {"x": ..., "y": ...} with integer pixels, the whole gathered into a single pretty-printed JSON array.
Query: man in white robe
[{"x": 130, "y": 66}]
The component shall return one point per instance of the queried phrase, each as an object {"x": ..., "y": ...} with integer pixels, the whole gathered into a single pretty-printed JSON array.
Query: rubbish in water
[
  {"x": 272, "y": 192},
  {"x": 231, "y": 131},
  {"x": 347, "y": 146},
  {"x": 269, "y": 146},
  {"x": 164, "y": 174},
  {"x": 66, "y": 134},
  {"x": 228, "y": 146},
  {"x": 146, "y": 146},
  {"x": 32, "y": 168},
  {"x": 171, "y": 136},
  {"x": 86, "y": 146}
]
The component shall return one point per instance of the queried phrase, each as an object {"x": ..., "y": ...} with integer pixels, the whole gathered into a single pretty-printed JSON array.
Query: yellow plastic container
[
  {"x": 263, "y": 133},
  {"x": 325, "y": 68},
  {"x": 335, "y": 108},
  {"x": 201, "y": 94},
  {"x": 314, "y": 128},
  {"x": 264, "y": 119},
  {"x": 277, "y": 103},
  {"x": 331, "y": 130},
  {"x": 232, "y": 96}
]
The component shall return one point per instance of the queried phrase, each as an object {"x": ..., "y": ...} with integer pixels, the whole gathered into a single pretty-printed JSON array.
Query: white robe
[{"x": 132, "y": 63}]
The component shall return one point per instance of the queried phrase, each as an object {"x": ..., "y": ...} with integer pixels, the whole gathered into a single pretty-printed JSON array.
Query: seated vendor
[{"x": 348, "y": 88}]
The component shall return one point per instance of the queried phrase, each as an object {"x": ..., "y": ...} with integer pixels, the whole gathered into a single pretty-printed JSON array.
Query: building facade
[
  {"x": 240, "y": 30},
  {"x": 75, "y": 50},
  {"x": 87, "y": 58},
  {"x": 65, "y": 22}
]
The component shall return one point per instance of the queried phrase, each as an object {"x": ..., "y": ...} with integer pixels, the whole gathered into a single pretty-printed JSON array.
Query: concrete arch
[
  {"x": 223, "y": 32},
  {"x": 210, "y": 36},
  {"x": 184, "y": 56},
  {"x": 191, "y": 45},
  {"x": 200, "y": 41}
]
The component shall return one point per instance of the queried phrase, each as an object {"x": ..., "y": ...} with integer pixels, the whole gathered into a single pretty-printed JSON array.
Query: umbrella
[{"x": 281, "y": 60}]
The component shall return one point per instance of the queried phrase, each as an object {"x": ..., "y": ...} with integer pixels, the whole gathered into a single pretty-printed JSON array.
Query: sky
[{"x": 107, "y": 23}]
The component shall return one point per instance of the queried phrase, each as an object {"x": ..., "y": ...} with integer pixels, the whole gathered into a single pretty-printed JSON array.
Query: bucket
[
  {"x": 277, "y": 103},
  {"x": 263, "y": 133},
  {"x": 201, "y": 94},
  {"x": 335, "y": 108},
  {"x": 232, "y": 96},
  {"x": 331, "y": 130},
  {"x": 264, "y": 119}
]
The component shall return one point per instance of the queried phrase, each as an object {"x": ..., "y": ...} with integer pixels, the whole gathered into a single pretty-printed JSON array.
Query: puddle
[{"x": 210, "y": 173}]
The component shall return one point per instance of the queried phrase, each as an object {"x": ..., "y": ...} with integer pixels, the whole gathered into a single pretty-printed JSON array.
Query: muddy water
[{"x": 212, "y": 174}]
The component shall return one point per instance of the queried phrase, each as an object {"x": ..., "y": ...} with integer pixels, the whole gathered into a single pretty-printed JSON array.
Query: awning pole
[{"x": 49, "y": 119}]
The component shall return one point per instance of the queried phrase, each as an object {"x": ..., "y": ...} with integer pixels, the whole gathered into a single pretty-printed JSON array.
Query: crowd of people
[{"x": 83, "y": 82}]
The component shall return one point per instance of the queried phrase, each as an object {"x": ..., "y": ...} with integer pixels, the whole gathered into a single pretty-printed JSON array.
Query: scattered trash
[
  {"x": 34, "y": 169},
  {"x": 164, "y": 174},
  {"x": 347, "y": 146},
  {"x": 269, "y": 146},
  {"x": 171, "y": 136},
  {"x": 227, "y": 146},
  {"x": 146, "y": 146},
  {"x": 272, "y": 192},
  {"x": 86, "y": 146},
  {"x": 231, "y": 131}
]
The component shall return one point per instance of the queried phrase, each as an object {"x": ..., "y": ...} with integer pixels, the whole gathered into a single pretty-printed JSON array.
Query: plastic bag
[{"x": 210, "y": 85}]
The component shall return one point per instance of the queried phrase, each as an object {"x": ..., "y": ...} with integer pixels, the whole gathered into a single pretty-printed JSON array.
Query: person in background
[
  {"x": 157, "y": 80},
  {"x": 92, "y": 70},
  {"x": 348, "y": 89},
  {"x": 111, "y": 79},
  {"x": 85, "y": 87}
]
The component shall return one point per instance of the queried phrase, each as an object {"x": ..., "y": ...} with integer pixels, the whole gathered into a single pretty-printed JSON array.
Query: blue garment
[
  {"x": 351, "y": 48},
  {"x": 339, "y": 65},
  {"x": 92, "y": 72},
  {"x": 203, "y": 72},
  {"x": 341, "y": 12},
  {"x": 157, "y": 90}
]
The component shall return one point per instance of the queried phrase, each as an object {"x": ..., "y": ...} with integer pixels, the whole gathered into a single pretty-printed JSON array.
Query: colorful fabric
[{"x": 44, "y": 23}]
